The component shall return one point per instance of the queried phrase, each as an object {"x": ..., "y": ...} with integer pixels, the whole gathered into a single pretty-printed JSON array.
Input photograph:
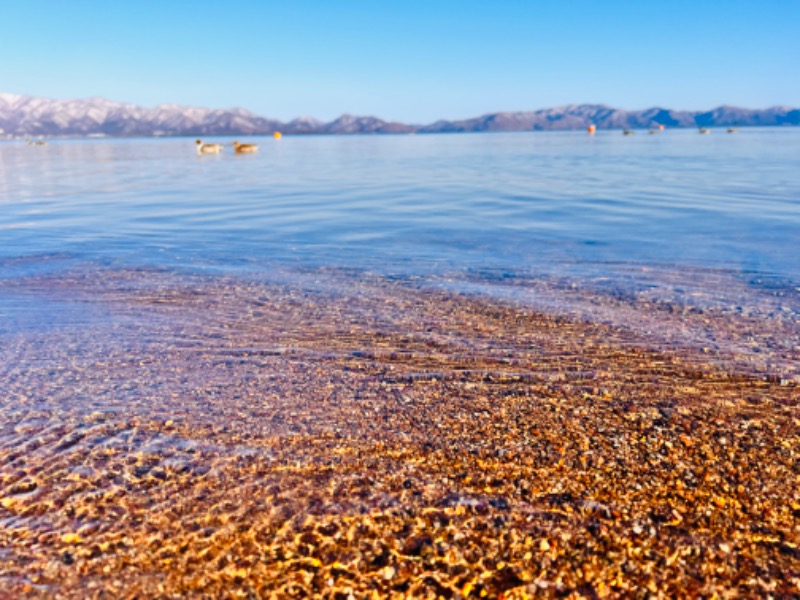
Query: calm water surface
[
  {"x": 631, "y": 210},
  {"x": 535, "y": 201}
]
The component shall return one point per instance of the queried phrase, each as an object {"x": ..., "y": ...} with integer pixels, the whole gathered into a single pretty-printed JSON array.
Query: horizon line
[{"x": 373, "y": 115}]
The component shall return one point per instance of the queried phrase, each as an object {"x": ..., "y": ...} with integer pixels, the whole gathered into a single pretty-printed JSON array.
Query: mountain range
[{"x": 34, "y": 116}]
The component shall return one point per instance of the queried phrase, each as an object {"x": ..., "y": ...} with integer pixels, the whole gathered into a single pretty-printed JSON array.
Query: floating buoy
[
  {"x": 661, "y": 128},
  {"x": 592, "y": 129},
  {"x": 277, "y": 135}
]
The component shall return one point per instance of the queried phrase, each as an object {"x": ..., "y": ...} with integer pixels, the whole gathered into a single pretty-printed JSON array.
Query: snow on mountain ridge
[
  {"x": 10, "y": 100},
  {"x": 29, "y": 115}
]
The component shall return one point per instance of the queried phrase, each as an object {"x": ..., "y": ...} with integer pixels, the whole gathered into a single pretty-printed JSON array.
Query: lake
[
  {"x": 694, "y": 219},
  {"x": 411, "y": 365},
  {"x": 516, "y": 202}
]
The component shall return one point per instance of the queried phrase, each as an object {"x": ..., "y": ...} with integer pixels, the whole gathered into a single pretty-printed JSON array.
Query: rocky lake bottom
[{"x": 334, "y": 434}]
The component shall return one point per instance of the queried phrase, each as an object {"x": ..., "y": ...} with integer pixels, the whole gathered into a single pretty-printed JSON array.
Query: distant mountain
[
  {"x": 351, "y": 124},
  {"x": 26, "y": 115},
  {"x": 568, "y": 117},
  {"x": 32, "y": 116},
  {"x": 731, "y": 116}
]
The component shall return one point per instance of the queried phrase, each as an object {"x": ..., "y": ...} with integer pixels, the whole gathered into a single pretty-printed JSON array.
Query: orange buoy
[
  {"x": 592, "y": 129},
  {"x": 277, "y": 135},
  {"x": 661, "y": 128}
]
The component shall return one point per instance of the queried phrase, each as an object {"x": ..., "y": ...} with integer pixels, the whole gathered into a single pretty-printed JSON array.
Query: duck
[
  {"x": 627, "y": 132},
  {"x": 652, "y": 131},
  {"x": 245, "y": 148},
  {"x": 733, "y": 130},
  {"x": 704, "y": 131},
  {"x": 208, "y": 148}
]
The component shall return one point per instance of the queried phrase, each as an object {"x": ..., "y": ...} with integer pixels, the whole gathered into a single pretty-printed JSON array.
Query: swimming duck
[
  {"x": 733, "y": 130},
  {"x": 704, "y": 131},
  {"x": 245, "y": 148},
  {"x": 627, "y": 132},
  {"x": 208, "y": 148}
]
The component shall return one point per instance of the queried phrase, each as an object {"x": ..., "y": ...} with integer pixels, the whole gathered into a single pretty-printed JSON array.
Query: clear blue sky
[{"x": 409, "y": 60}]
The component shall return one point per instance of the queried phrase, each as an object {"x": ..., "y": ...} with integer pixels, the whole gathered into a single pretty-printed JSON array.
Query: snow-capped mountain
[
  {"x": 27, "y": 115},
  {"x": 606, "y": 117},
  {"x": 32, "y": 116}
]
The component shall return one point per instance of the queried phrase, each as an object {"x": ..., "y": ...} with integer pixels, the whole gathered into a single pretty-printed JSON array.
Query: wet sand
[{"x": 187, "y": 436}]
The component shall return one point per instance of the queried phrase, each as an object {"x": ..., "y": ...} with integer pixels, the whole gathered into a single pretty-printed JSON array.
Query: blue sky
[{"x": 413, "y": 61}]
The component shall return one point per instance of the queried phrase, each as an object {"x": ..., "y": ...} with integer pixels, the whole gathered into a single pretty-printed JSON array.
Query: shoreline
[
  {"x": 229, "y": 437},
  {"x": 269, "y": 134}
]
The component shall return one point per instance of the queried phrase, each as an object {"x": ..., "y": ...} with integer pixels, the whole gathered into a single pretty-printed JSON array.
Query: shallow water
[
  {"x": 211, "y": 365},
  {"x": 704, "y": 222}
]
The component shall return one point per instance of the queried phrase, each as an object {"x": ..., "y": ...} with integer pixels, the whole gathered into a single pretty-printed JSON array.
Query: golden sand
[{"x": 246, "y": 440}]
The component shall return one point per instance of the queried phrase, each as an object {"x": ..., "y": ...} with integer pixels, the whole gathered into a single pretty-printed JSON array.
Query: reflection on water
[
  {"x": 547, "y": 219},
  {"x": 319, "y": 368},
  {"x": 538, "y": 202}
]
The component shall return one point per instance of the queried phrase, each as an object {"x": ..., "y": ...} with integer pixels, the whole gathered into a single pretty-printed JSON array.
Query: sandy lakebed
[{"x": 217, "y": 437}]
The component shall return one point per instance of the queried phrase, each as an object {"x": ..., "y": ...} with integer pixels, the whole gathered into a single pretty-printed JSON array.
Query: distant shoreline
[
  {"x": 22, "y": 138},
  {"x": 29, "y": 116}
]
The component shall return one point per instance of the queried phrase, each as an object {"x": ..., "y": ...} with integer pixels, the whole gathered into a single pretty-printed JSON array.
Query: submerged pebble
[{"x": 403, "y": 442}]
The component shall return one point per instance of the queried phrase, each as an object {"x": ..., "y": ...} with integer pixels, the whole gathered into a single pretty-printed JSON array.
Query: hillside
[{"x": 33, "y": 116}]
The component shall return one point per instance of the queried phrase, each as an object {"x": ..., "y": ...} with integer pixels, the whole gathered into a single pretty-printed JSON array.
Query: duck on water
[
  {"x": 208, "y": 148},
  {"x": 245, "y": 148}
]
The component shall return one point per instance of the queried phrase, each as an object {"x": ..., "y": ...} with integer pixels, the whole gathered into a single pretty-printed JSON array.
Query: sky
[{"x": 413, "y": 61}]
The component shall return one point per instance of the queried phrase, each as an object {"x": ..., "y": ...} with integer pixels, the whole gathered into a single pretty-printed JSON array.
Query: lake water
[
  {"x": 518, "y": 202},
  {"x": 247, "y": 372},
  {"x": 695, "y": 219}
]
